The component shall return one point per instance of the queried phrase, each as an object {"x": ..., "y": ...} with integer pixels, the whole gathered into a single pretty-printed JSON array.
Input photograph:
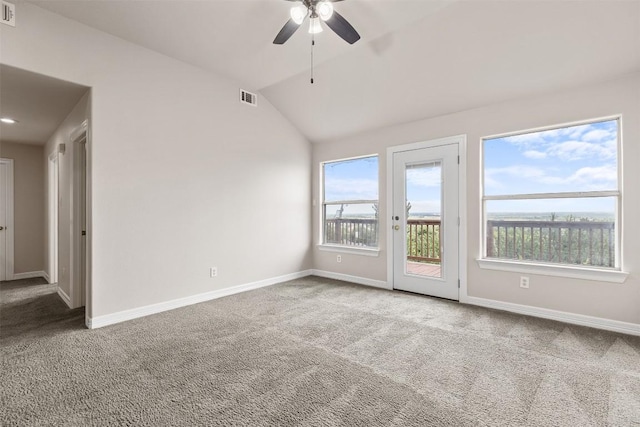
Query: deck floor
[{"x": 423, "y": 269}]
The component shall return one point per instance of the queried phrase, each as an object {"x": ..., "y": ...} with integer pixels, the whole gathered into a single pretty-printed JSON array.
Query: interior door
[
  {"x": 3, "y": 220},
  {"x": 426, "y": 221}
]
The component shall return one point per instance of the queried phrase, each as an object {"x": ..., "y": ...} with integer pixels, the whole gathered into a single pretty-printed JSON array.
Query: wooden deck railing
[
  {"x": 423, "y": 236},
  {"x": 351, "y": 232},
  {"x": 423, "y": 240},
  {"x": 566, "y": 242}
]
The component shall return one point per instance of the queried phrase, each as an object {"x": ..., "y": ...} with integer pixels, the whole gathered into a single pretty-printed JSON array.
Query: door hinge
[
  {"x": 458, "y": 159},
  {"x": 458, "y": 221},
  {"x": 458, "y": 283}
]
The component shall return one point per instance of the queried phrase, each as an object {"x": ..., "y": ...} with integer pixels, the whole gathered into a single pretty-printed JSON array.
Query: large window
[
  {"x": 350, "y": 202},
  {"x": 553, "y": 196}
]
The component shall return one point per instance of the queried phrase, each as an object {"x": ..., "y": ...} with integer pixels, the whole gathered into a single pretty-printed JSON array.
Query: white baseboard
[
  {"x": 353, "y": 279},
  {"x": 64, "y": 297},
  {"x": 134, "y": 313},
  {"x": 545, "y": 313},
  {"x": 46, "y": 277},
  {"x": 29, "y": 275}
]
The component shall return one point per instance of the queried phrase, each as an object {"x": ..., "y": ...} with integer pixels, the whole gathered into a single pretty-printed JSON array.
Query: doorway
[
  {"x": 6, "y": 219},
  {"x": 79, "y": 230},
  {"x": 54, "y": 206},
  {"x": 425, "y": 255}
]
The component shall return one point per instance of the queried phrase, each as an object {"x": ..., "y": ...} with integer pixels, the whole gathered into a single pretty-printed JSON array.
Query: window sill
[
  {"x": 600, "y": 275},
  {"x": 349, "y": 250}
]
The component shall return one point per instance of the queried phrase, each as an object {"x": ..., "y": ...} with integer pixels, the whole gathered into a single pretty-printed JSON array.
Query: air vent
[
  {"x": 8, "y": 13},
  {"x": 248, "y": 98}
]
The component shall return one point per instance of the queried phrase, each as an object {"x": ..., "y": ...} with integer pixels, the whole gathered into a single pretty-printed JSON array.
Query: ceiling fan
[{"x": 317, "y": 10}]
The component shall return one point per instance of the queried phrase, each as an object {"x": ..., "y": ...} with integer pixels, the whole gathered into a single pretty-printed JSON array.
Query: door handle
[
  {"x": 396, "y": 227},
  {"x": 1, "y": 228}
]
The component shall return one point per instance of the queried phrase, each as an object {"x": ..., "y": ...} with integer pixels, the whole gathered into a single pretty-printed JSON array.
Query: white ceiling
[
  {"x": 416, "y": 58},
  {"x": 38, "y": 102}
]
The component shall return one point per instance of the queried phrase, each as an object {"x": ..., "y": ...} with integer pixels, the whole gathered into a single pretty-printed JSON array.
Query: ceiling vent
[
  {"x": 8, "y": 13},
  {"x": 248, "y": 98}
]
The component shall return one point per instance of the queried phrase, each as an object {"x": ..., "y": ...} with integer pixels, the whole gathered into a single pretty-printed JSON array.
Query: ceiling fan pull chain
[{"x": 313, "y": 43}]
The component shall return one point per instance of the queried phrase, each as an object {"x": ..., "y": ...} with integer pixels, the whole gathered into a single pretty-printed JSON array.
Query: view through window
[
  {"x": 350, "y": 202},
  {"x": 553, "y": 196}
]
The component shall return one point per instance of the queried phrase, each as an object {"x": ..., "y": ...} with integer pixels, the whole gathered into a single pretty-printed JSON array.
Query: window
[
  {"x": 553, "y": 196},
  {"x": 350, "y": 202}
]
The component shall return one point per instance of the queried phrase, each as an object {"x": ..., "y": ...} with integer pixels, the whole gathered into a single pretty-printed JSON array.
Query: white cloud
[
  {"x": 351, "y": 189},
  {"x": 516, "y": 171},
  {"x": 596, "y": 178},
  {"x": 533, "y": 154},
  {"x": 597, "y": 135},
  {"x": 577, "y": 150},
  {"x": 425, "y": 177}
]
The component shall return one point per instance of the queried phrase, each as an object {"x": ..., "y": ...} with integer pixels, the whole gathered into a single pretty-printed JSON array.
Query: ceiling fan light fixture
[
  {"x": 314, "y": 26},
  {"x": 298, "y": 13},
  {"x": 325, "y": 10}
]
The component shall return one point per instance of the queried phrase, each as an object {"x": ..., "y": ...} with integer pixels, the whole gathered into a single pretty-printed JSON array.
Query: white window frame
[
  {"x": 333, "y": 247},
  {"x": 604, "y": 274}
]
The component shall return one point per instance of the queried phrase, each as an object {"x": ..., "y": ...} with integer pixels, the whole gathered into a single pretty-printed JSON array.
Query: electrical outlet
[
  {"x": 524, "y": 282},
  {"x": 213, "y": 271},
  {"x": 339, "y": 258}
]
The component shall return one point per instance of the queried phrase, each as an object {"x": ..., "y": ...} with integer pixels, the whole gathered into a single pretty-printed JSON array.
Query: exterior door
[{"x": 426, "y": 221}]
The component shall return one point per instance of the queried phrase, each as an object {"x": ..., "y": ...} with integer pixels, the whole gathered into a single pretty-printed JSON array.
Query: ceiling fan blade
[
  {"x": 342, "y": 28},
  {"x": 286, "y": 32}
]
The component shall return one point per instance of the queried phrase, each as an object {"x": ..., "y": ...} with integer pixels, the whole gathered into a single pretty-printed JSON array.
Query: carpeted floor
[{"x": 310, "y": 352}]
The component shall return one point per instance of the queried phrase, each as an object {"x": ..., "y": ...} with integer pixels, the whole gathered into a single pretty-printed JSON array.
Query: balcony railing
[
  {"x": 423, "y": 236},
  {"x": 351, "y": 232},
  {"x": 423, "y": 240},
  {"x": 587, "y": 243},
  {"x": 565, "y": 242}
]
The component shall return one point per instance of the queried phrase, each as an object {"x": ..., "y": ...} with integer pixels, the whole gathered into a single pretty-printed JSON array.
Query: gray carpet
[{"x": 310, "y": 352}]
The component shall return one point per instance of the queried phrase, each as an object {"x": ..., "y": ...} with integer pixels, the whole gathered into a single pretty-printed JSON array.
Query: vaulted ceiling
[{"x": 416, "y": 58}]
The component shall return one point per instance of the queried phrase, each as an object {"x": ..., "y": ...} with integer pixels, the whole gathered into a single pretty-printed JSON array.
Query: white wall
[
  {"x": 604, "y": 300},
  {"x": 183, "y": 177},
  {"x": 28, "y": 205}
]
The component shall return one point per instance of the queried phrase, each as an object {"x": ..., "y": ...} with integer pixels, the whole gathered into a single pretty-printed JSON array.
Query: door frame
[
  {"x": 9, "y": 225},
  {"x": 54, "y": 212},
  {"x": 80, "y": 259},
  {"x": 461, "y": 140}
]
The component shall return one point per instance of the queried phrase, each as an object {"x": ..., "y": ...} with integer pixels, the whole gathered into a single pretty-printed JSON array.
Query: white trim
[
  {"x": 349, "y": 250},
  {"x": 134, "y": 313},
  {"x": 619, "y": 226},
  {"x": 64, "y": 297},
  {"x": 53, "y": 180},
  {"x": 30, "y": 275},
  {"x": 462, "y": 214},
  {"x": 76, "y": 134},
  {"x": 565, "y": 195},
  {"x": 323, "y": 203},
  {"x": 561, "y": 316},
  {"x": 599, "y": 275},
  {"x": 9, "y": 225},
  {"x": 461, "y": 141},
  {"x": 352, "y": 279},
  {"x": 46, "y": 277},
  {"x": 554, "y": 127}
]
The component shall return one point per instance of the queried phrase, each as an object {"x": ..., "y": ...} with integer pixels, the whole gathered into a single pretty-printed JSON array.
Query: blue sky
[{"x": 571, "y": 159}]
